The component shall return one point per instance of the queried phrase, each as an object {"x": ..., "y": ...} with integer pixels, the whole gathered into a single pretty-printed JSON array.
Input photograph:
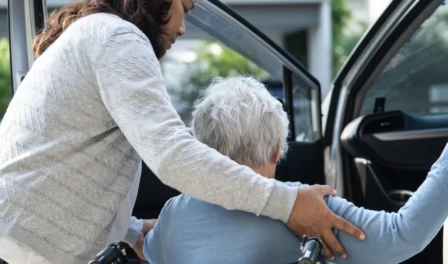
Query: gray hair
[{"x": 239, "y": 118}]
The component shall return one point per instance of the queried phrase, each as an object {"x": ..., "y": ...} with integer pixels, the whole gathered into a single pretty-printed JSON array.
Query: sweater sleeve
[
  {"x": 133, "y": 90},
  {"x": 407, "y": 231}
]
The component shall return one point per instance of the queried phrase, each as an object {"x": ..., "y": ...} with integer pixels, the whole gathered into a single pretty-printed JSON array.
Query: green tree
[
  {"x": 5, "y": 76},
  {"x": 340, "y": 16},
  {"x": 343, "y": 42}
]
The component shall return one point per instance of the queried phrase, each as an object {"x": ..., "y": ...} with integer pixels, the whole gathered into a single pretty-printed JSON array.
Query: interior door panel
[
  {"x": 392, "y": 153},
  {"x": 303, "y": 163},
  {"x": 152, "y": 195}
]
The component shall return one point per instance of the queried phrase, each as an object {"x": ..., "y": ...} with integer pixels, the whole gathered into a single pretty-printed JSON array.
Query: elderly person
[{"x": 240, "y": 119}]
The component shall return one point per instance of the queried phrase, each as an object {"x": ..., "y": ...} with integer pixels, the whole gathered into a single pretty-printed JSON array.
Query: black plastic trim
[
  {"x": 359, "y": 139},
  {"x": 39, "y": 15},
  {"x": 289, "y": 100},
  {"x": 8, "y": 18}
]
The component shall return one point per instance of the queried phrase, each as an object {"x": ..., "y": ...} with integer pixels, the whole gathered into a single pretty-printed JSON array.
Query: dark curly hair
[{"x": 148, "y": 15}]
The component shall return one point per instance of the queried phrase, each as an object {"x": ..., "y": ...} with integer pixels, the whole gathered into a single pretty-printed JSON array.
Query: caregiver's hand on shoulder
[
  {"x": 148, "y": 224},
  {"x": 311, "y": 216}
]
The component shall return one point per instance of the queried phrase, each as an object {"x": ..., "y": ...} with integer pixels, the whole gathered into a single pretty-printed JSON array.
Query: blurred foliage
[
  {"x": 343, "y": 43},
  {"x": 214, "y": 60},
  {"x": 5, "y": 76},
  {"x": 228, "y": 62}
]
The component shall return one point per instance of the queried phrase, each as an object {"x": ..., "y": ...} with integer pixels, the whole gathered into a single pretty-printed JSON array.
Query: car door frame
[
  {"x": 365, "y": 63},
  {"x": 291, "y": 64},
  {"x": 25, "y": 18}
]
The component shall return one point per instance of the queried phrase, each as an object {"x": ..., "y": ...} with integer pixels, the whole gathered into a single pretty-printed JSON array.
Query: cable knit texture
[{"x": 71, "y": 141}]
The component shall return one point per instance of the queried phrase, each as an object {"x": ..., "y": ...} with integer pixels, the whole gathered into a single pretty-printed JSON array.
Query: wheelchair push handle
[
  {"x": 115, "y": 253},
  {"x": 312, "y": 251}
]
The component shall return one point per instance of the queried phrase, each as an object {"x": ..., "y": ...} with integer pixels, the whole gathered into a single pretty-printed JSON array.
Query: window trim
[
  {"x": 23, "y": 16},
  {"x": 216, "y": 10},
  {"x": 289, "y": 101}
]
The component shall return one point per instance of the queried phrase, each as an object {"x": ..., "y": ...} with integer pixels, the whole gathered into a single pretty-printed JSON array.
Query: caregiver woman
[{"x": 92, "y": 106}]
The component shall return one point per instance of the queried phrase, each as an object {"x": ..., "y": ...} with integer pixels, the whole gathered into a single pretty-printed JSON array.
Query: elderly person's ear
[{"x": 276, "y": 157}]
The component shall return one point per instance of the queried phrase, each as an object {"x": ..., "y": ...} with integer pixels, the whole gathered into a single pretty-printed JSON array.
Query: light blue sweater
[{"x": 192, "y": 231}]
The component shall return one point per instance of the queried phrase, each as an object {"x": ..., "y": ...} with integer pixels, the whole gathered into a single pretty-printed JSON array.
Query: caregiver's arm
[
  {"x": 133, "y": 90},
  {"x": 406, "y": 232}
]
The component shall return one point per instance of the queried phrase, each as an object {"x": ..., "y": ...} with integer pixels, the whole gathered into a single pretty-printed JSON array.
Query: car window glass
[
  {"x": 211, "y": 21},
  {"x": 304, "y": 127},
  {"x": 415, "y": 80},
  {"x": 192, "y": 64}
]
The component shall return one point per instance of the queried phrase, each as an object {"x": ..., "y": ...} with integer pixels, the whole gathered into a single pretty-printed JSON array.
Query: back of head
[
  {"x": 148, "y": 15},
  {"x": 238, "y": 117}
]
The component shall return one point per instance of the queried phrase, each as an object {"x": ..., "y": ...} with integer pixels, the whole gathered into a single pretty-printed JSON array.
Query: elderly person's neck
[
  {"x": 267, "y": 171},
  {"x": 268, "y": 168}
]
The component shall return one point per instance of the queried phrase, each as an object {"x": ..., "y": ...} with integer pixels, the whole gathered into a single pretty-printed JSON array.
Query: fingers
[
  {"x": 327, "y": 252},
  {"x": 330, "y": 239},
  {"x": 325, "y": 190},
  {"x": 345, "y": 226},
  {"x": 311, "y": 233},
  {"x": 141, "y": 256}
]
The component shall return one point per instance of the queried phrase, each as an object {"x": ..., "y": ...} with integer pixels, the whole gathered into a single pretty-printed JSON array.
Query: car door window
[
  {"x": 192, "y": 66},
  {"x": 415, "y": 80},
  {"x": 305, "y": 129},
  {"x": 5, "y": 71},
  {"x": 195, "y": 63}
]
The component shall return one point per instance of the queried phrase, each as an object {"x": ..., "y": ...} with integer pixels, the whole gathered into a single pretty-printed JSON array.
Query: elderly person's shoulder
[{"x": 184, "y": 204}]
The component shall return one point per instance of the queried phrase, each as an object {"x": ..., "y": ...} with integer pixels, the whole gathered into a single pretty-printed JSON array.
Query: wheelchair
[{"x": 115, "y": 253}]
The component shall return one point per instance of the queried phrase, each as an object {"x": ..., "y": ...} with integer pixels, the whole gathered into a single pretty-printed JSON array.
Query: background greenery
[
  {"x": 5, "y": 77},
  {"x": 209, "y": 65}
]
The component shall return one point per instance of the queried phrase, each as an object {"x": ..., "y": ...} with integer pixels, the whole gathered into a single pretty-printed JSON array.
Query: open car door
[{"x": 387, "y": 112}]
